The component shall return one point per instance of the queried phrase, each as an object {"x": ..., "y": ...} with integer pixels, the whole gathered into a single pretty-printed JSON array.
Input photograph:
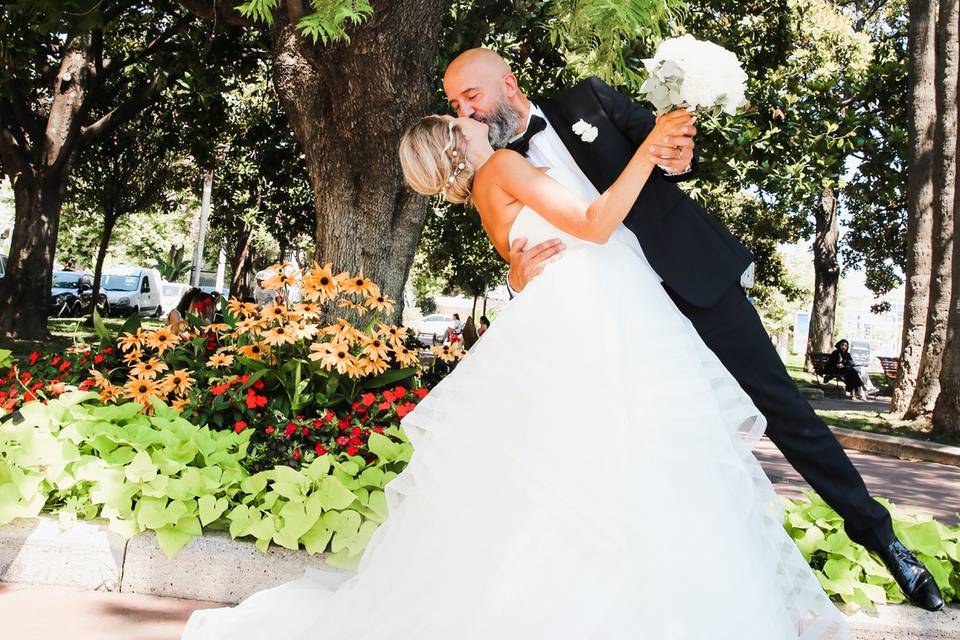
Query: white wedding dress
[{"x": 584, "y": 474}]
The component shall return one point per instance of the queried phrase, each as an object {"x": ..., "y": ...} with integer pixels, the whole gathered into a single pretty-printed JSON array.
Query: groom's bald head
[{"x": 480, "y": 85}]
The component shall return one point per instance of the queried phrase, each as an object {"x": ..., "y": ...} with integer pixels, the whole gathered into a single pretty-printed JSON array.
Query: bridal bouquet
[{"x": 696, "y": 75}]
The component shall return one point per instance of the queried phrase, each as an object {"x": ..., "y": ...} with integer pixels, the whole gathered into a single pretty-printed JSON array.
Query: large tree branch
[
  {"x": 141, "y": 99},
  {"x": 15, "y": 160},
  {"x": 24, "y": 116}
]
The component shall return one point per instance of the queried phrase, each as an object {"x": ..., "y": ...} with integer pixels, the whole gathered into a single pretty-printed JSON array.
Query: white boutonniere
[{"x": 586, "y": 131}]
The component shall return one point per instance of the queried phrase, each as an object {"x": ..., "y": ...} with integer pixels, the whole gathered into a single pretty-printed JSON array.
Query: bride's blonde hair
[{"x": 434, "y": 159}]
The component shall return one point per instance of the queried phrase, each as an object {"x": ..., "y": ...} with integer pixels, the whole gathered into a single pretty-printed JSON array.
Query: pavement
[{"x": 38, "y": 612}]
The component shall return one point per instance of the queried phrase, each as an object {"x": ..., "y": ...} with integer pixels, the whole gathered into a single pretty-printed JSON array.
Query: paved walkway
[
  {"x": 34, "y": 612},
  {"x": 935, "y": 488}
]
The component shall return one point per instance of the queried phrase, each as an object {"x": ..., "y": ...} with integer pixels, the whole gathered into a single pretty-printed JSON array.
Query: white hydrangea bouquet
[{"x": 686, "y": 73}]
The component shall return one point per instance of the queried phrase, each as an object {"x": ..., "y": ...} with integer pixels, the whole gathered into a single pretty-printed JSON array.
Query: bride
[{"x": 584, "y": 474}]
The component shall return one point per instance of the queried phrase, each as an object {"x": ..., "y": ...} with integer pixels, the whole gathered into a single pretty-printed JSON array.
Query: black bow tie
[{"x": 522, "y": 144}]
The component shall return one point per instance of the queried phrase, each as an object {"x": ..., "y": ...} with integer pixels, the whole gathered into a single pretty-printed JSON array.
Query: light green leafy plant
[
  {"x": 849, "y": 572},
  {"x": 162, "y": 473}
]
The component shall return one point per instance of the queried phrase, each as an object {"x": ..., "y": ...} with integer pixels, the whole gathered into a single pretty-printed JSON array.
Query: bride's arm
[{"x": 598, "y": 220}]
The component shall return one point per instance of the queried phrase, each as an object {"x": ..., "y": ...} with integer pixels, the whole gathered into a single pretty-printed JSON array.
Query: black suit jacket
[{"x": 697, "y": 257}]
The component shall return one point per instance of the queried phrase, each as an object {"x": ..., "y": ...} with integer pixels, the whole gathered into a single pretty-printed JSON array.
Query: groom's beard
[{"x": 502, "y": 123}]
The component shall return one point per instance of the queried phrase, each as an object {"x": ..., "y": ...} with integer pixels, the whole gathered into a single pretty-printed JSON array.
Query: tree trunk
[
  {"x": 109, "y": 220},
  {"x": 921, "y": 128},
  {"x": 473, "y": 312},
  {"x": 348, "y": 105},
  {"x": 944, "y": 178},
  {"x": 25, "y": 288},
  {"x": 238, "y": 264},
  {"x": 826, "y": 274}
]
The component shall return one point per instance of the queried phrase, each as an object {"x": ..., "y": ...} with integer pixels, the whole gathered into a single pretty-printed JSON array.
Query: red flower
[
  {"x": 352, "y": 450},
  {"x": 97, "y": 359},
  {"x": 54, "y": 362},
  {"x": 296, "y": 454},
  {"x": 261, "y": 401},
  {"x": 305, "y": 431},
  {"x": 356, "y": 431},
  {"x": 34, "y": 357},
  {"x": 317, "y": 424},
  {"x": 85, "y": 385},
  {"x": 250, "y": 401},
  {"x": 28, "y": 396},
  {"x": 384, "y": 406},
  {"x": 65, "y": 365},
  {"x": 355, "y": 441},
  {"x": 421, "y": 392},
  {"x": 26, "y": 376},
  {"x": 359, "y": 408},
  {"x": 320, "y": 449},
  {"x": 368, "y": 399},
  {"x": 108, "y": 349},
  {"x": 378, "y": 429},
  {"x": 258, "y": 385},
  {"x": 244, "y": 379},
  {"x": 219, "y": 389},
  {"x": 344, "y": 424},
  {"x": 269, "y": 429},
  {"x": 239, "y": 426},
  {"x": 399, "y": 391},
  {"x": 290, "y": 429},
  {"x": 405, "y": 408},
  {"x": 342, "y": 440}
]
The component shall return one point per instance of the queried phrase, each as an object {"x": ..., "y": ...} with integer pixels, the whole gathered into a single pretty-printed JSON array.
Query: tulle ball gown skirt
[{"x": 585, "y": 473}]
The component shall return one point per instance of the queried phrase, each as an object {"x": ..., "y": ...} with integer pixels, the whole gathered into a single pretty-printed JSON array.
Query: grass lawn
[
  {"x": 65, "y": 332},
  {"x": 860, "y": 418},
  {"x": 877, "y": 422}
]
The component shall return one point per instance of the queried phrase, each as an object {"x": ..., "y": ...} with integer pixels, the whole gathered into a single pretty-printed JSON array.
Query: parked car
[
  {"x": 133, "y": 290},
  {"x": 170, "y": 295},
  {"x": 71, "y": 293},
  {"x": 435, "y": 324},
  {"x": 3, "y": 265}
]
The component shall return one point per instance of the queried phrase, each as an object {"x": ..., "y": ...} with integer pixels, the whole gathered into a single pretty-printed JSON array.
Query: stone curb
[
  {"x": 86, "y": 555},
  {"x": 216, "y": 568},
  {"x": 898, "y": 447}
]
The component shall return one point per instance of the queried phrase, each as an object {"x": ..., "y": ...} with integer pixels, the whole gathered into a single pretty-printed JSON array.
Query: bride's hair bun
[{"x": 433, "y": 157}]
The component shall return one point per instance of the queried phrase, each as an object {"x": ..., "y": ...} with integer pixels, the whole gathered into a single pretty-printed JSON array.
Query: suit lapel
[{"x": 584, "y": 153}]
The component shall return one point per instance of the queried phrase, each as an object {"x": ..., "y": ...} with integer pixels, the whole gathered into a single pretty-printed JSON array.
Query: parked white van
[{"x": 133, "y": 290}]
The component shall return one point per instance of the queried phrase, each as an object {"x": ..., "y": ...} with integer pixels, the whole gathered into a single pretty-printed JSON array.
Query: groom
[{"x": 696, "y": 257}]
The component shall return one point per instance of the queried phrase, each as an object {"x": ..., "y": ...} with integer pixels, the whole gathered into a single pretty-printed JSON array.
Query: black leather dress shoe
[{"x": 914, "y": 579}]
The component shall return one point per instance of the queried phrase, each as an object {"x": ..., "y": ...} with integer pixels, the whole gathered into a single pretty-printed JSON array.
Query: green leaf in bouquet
[
  {"x": 101, "y": 329},
  {"x": 156, "y": 513},
  {"x": 211, "y": 508},
  {"x": 254, "y": 484}
]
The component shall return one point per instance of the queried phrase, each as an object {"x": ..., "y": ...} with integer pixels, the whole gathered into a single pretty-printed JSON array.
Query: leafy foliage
[
  {"x": 162, "y": 473},
  {"x": 847, "y": 570}
]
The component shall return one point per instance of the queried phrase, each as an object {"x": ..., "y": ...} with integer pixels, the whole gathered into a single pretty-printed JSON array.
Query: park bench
[
  {"x": 890, "y": 367},
  {"x": 819, "y": 361}
]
